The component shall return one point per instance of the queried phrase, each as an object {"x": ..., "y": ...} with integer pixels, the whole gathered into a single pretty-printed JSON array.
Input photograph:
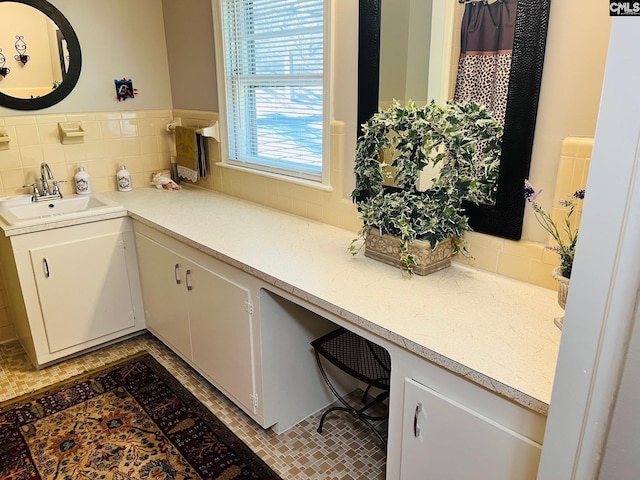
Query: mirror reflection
[
  {"x": 504, "y": 217},
  {"x": 44, "y": 44},
  {"x": 486, "y": 47},
  {"x": 49, "y": 60},
  {"x": 417, "y": 44},
  {"x": 443, "y": 49},
  {"x": 439, "y": 50}
]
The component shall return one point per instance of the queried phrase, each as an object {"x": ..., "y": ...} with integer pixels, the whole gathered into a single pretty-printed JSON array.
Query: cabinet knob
[{"x": 416, "y": 422}]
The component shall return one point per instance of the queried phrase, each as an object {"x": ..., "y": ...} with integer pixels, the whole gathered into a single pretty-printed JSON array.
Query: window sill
[{"x": 277, "y": 176}]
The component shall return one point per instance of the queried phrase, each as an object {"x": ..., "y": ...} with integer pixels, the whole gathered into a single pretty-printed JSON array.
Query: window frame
[{"x": 323, "y": 181}]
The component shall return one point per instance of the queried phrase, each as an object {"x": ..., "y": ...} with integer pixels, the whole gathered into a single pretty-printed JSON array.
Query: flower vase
[{"x": 563, "y": 291}]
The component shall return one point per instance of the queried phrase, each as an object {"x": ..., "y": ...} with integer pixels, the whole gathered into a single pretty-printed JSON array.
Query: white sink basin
[
  {"x": 15, "y": 200},
  {"x": 20, "y": 210}
]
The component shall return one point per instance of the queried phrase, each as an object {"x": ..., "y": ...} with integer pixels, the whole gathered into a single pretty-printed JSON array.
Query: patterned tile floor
[{"x": 346, "y": 450}]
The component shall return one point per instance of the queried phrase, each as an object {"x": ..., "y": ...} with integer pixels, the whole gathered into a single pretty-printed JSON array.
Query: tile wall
[
  {"x": 321, "y": 205},
  {"x": 140, "y": 141},
  {"x": 531, "y": 261}
]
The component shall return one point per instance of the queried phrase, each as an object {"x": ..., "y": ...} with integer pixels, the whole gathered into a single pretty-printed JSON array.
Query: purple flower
[
  {"x": 565, "y": 235},
  {"x": 529, "y": 192}
]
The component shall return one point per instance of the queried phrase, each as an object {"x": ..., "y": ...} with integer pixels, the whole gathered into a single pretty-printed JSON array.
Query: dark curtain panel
[{"x": 485, "y": 54}]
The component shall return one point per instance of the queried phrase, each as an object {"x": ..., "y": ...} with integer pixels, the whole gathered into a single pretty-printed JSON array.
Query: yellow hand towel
[{"x": 187, "y": 152}]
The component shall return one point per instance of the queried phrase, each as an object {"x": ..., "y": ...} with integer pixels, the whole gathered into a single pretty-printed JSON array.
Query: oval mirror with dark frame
[
  {"x": 70, "y": 65},
  {"x": 504, "y": 218}
]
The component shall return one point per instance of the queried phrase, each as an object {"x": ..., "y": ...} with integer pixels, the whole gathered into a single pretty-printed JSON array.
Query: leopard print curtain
[{"x": 485, "y": 54}]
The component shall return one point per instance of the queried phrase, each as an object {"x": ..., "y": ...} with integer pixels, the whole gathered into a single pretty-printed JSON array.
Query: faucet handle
[
  {"x": 56, "y": 190},
  {"x": 36, "y": 192}
]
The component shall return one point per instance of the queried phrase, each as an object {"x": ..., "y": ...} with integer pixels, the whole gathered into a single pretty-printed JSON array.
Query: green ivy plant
[{"x": 462, "y": 139}]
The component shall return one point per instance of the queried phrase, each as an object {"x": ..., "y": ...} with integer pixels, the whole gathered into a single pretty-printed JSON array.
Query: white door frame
[{"x": 606, "y": 275}]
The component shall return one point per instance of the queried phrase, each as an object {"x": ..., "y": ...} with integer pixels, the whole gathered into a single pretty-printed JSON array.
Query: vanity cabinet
[
  {"x": 73, "y": 288},
  {"x": 445, "y": 439},
  {"x": 250, "y": 342},
  {"x": 197, "y": 306},
  {"x": 487, "y": 366}
]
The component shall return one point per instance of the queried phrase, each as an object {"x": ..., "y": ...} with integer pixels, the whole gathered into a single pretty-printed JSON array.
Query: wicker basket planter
[{"x": 386, "y": 249}]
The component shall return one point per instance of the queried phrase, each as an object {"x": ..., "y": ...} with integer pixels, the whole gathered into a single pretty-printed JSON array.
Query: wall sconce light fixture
[
  {"x": 21, "y": 48},
  {"x": 4, "y": 71}
]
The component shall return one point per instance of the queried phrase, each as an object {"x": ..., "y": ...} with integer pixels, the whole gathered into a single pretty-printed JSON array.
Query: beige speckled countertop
[{"x": 493, "y": 330}]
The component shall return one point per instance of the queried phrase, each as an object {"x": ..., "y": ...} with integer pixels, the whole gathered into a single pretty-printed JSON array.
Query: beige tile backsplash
[
  {"x": 140, "y": 141},
  {"x": 531, "y": 261}
]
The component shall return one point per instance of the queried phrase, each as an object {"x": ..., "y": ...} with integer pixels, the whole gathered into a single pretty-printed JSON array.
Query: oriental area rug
[{"x": 130, "y": 420}]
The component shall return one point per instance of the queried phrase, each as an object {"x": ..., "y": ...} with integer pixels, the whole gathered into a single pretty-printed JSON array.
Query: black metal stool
[{"x": 363, "y": 360}]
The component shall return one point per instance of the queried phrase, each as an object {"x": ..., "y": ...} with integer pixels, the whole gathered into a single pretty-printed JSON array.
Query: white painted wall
[
  {"x": 570, "y": 92},
  {"x": 345, "y": 82},
  {"x": 189, "y": 30}
]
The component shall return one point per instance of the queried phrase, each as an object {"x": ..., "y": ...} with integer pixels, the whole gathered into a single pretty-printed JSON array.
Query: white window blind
[{"x": 273, "y": 52}]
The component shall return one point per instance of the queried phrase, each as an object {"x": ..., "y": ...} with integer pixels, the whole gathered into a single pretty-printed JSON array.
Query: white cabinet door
[
  {"x": 444, "y": 440},
  {"x": 199, "y": 313},
  {"x": 221, "y": 333},
  {"x": 83, "y": 288},
  {"x": 162, "y": 275}
]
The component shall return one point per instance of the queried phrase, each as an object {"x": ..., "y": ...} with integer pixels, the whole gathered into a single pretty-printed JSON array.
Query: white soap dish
[{"x": 71, "y": 132}]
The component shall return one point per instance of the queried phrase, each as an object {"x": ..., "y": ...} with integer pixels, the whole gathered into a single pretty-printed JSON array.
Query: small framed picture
[{"x": 124, "y": 89}]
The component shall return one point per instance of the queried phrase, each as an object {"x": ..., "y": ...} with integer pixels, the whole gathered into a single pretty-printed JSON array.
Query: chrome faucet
[
  {"x": 45, "y": 172},
  {"x": 47, "y": 193}
]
